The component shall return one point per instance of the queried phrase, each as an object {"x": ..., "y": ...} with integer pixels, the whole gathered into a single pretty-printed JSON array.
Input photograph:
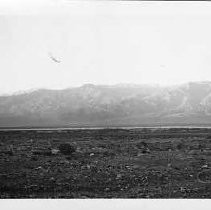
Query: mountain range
[{"x": 104, "y": 105}]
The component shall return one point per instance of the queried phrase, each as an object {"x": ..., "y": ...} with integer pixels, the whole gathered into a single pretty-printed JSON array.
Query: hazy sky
[{"x": 102, "y": 43}]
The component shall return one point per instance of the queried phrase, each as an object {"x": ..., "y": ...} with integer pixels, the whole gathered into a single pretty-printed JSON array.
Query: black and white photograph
[{"x": 105, "y": 100}]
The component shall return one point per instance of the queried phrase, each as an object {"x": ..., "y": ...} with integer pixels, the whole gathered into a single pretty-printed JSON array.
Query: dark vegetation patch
[{"x": 66, "y": 149}]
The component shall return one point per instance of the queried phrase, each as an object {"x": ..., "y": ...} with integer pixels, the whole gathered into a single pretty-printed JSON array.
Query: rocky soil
[{"x": 106, "y": 163}]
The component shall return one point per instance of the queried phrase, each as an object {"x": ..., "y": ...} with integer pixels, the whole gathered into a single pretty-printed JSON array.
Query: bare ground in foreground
[{"x": 107, "y": 163}]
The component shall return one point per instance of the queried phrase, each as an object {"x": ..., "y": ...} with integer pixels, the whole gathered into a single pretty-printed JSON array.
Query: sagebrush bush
[{"x": 66, "y": 149}]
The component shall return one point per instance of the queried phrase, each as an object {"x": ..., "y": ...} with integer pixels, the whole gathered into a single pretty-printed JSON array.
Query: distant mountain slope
[{"x": 118, "y": 105}]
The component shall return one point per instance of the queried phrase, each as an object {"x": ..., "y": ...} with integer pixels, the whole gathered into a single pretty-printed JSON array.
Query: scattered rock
[
  {"x": 205, "y": 166},
  {"x": 139, "y": 154},
  {"x": 54, "y": 151},
  {"x": 52, "y": 179},
  {"x": 119, "y": 176}
]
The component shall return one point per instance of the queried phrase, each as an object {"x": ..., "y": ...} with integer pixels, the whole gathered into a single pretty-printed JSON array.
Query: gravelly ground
[{"x": 107, "y": 163}]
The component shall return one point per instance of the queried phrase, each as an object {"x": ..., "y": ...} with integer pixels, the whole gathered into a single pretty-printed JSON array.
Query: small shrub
[
  {"x": 180, "y": 146},
  {"x": 142, "y": 145},
  {"x": 34, "y": 158},
  {"x": 8, "y": 151},
  {"x": 45, "y": 152},
  {"x": 66, "y": 149}
]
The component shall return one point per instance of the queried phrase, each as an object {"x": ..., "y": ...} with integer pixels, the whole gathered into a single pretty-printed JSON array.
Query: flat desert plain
[{"x": 106, "y": 163}]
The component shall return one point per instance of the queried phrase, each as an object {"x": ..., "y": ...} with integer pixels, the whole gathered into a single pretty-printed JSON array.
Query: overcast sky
[{"x": 102, "y": 43}]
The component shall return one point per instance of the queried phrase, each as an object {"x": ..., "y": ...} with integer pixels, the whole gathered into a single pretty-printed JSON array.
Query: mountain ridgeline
[{"x": 117, "y": 105}]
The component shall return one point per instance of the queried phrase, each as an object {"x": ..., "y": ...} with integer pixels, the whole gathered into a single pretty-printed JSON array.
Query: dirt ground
[{"x": 107, "y": 163}]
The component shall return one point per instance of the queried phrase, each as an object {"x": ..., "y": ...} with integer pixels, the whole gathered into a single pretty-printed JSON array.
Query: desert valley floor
[{"x": 106, "y": 163}]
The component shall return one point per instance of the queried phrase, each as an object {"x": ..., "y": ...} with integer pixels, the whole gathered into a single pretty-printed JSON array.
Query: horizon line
[{"x": 30, "y": 90}]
